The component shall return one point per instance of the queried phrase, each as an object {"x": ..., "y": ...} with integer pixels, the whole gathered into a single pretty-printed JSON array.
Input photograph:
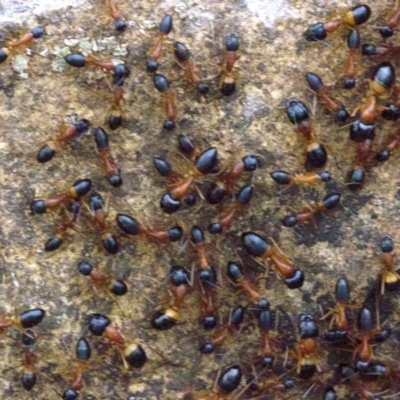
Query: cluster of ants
[{"x": 184, "y": 184}]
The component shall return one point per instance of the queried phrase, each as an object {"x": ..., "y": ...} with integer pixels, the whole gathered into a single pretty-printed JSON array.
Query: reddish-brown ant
[
  {"x": 235, "y": 274},
  {"x": 392, "y": 144},
  {"x": 390, "y": 278},
  {"x": 132, "y": 353},
  {"x": 162, "y": 85},
  {"x": 83, "y": 354},
  {"x": 267, "y": 347},
  {"x": 309, "y": 178},
  {"x": 67, "y": 133},
  {"x": 182, "y": 54},
  {"x": 235, "y": 321},
  {"x": 72, "y": 214},
  {"x": 242, "y": 198},
  {"x": 356, "y": 176},
  {"x": 383, "y": 49},
  {"x": 342, "y": 298},
  {"x": 116, "y": 114},
  {"x": 155, "y": 52},
  {"x": 328, "y": 203},
  {"x": 208, "y": 279},
  {"x": 226, "y": 383},
  {"x": 99, "y": 212},
  {"x": 227, "y": 179},
  {"x": 28, "y": 377},
  {"x": 78, "y": 60},
  {"x": 364, "y": 351},
  {"x": 35, "y": 33},
  {"x": 227, "y": 81},
  {"x": 392, "y": 21},
  {"x": 307, "y": 347},
  {"x": 79, "y": 189},
  {"x": 180, "y": 287},
  {"x": 382, "y": 81},
  {"x": 27, "y": 319},
  {"x": 115, "y": 14},
  {"x": 115, "y": 286},
  {"x": 299, "y": 116},
  {"x": 351, "y": 18},
  {"x": 26, "y": 38},
  {"x": 108, "y": 161},
  {"x": 132, "y": 227},
  {"x": 206, "y": 163},
  {"x": 257, "y": 246},
  {"x": 317, "y": 86},
  {"x": 353, "y": 54}
]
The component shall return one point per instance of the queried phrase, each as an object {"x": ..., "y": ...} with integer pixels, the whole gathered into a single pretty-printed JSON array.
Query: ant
[
  {"x": 78, "y": 60},
  {"x": 310, "y": 178},
  {"x": 392, "y": 21},
  {"x": 83, "y": 354},
  {"x": 223, "y": 185},
  {"x": 155, "y": 52},
  {"x": 107, "y": 159},
  {"x": 356, "y": 176},
  {"x": 27, "y": 319},
  {"x": 99, "y": 213},
  {"x": 392, "y": 144},
  {"x": 257, "y": 246},
  {"x": 79, "y": 189},
  {"x": 306, "y": 347},
  {"x": 166, "y": 171},
  {"x": 132, "y": 353},
  {"x": 121, "y": 72},
  {"x": 208, "y": 279},
  {"x": 171, "y": 178},
  {"x": 182, "y": 54},
  {"x": 366, "y": 337},
  {"x": 356, "y": 379},
  {"x": 364, "y": 351},
  {"x": 207, "y": 272},
  {"x": 353, "y": 45},
  {"x": 383, "y": 49},
  {"x": 299, "y": 116},
  {"x": 28, "y": 377},
  {"x": 257, "y": 385},
  {"x": 317, "y": 86},
  {"x": 235, "y": 321},
  {"x": 131, "y": 226},
  {"x": 227, "y": 382},
  {"x": 390, "y": 278},
  {"x": 114, "y": 286},
  {"x": 67, "y": 132},
  {"x": 115, "y": 14},
  {"x": 265, "y": 324},
  {"x": 342, "y": 298},
  {"x": 180, "y": 283},
  {"x": 187, "y": 148},
  {"x": 242, "y": 198},
  {"x": 382, "y": 81},
  {"x": 206, "y": 163},
  {"x": 67, "y": 222},
  {"x": 235, "y": 274},
  {"x": 162, "y": 85},
  {"x": 227, "y": 83},
  {"x": 36, "y": 33},
  {"x": 329, "y": 202},
  {"x": 356, "y": 16},
  {"x": 116, "y": 114},
  {"x": 208, "y": 300}
]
